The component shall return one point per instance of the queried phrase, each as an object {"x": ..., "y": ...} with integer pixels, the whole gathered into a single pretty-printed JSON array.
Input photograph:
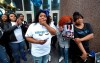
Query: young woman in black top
[{"x": 83, "y": 33}]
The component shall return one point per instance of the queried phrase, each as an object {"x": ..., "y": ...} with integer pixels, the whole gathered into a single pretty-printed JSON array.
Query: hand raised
[{"x": 18, "y": 22}]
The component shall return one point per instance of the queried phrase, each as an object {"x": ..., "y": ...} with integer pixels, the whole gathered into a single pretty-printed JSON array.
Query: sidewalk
[{"x": 54, "y": 57}]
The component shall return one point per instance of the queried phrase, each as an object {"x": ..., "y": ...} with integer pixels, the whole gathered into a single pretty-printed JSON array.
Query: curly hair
[{"x": 37, "y": 16}]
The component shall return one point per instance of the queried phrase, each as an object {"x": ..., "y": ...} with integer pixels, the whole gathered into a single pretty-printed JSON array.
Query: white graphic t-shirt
[{"x": 39, "y": 32}]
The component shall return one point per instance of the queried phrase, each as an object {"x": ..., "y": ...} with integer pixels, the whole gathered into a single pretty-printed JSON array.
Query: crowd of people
[
  {"x": 71, "y": 34},
  {"x": 13, "y": 39}
]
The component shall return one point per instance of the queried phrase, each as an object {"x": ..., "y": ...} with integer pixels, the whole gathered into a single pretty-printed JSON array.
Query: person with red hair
[
  {"x": 64, "y": 25},
  {"x": 64, "y": 20}
]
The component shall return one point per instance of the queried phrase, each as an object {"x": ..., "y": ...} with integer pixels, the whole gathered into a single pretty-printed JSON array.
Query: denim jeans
[
  {"x": 42, "y": 59},
  {"x": 3, "y": 55},
  {"x": 17, "y": 50},
  {"x": 64, "y": 53}
]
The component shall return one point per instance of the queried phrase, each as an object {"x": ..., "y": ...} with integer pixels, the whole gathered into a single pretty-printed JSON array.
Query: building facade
[{"x": 28, "y": 9}]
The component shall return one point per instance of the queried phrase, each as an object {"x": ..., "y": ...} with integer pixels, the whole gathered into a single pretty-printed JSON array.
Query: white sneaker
[
  {"x": 49, "y": 58},
  {"x": 61, "y": 58}
]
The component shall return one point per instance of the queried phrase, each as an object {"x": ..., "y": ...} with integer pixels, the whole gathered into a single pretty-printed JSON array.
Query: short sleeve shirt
[
  {"x": 39, "y": 32},
  {"x": 80, "y": 33}
]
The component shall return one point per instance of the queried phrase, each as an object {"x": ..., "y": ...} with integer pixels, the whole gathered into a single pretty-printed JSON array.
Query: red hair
[{"x": 64, "y": 19}]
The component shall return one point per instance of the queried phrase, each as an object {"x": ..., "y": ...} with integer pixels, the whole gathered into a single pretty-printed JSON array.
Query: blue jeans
[
  {"x": 17, "y": 50},
  {"x": 3, "y": 55},
  {"x": 42, "y": 59},
  {"x": 64, "y": 53}
]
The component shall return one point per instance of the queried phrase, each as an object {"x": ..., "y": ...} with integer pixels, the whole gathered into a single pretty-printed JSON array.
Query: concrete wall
[{"x": 90, "y": 9}]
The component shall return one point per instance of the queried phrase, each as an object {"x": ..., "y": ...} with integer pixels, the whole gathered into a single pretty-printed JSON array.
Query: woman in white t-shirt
[{"x": 39, "y": 34}]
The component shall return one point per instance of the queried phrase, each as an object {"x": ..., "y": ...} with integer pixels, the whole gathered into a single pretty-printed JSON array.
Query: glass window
[
  {"x": 27, "y": 5},
  {"x": 55, "y": 17},
  {"x": 45, "y": 4},
  {"x": 29, "y": 18},
  {"x": 18, "y": 4},
  {"x": 55, "y": 4}
]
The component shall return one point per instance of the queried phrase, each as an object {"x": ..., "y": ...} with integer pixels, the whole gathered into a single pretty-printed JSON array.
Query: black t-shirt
[{"x": 80, "y": 33}]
